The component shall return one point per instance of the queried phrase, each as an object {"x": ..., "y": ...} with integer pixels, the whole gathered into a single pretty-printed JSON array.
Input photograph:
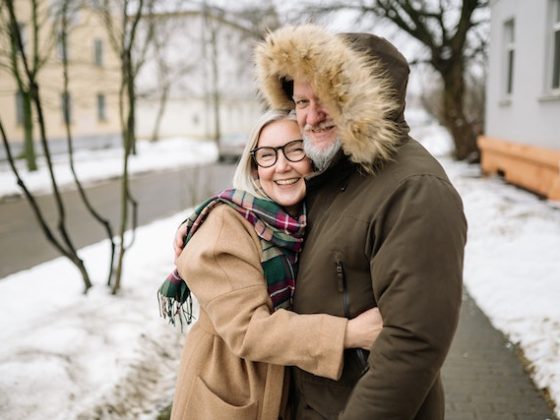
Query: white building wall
[
  {"x": 531, "y": 115},
  {"x": 187, "y": 112},
  {"x": 187, "y": 118}
]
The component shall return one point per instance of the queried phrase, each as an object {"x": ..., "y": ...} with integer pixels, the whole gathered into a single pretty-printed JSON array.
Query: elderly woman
[{"x": 241, "y": 266}]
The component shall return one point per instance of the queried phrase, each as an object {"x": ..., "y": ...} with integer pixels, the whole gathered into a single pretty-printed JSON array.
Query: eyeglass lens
[{"x": 267, "y": 156}]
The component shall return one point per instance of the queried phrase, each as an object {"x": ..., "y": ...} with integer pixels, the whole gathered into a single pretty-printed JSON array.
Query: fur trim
[{"x": 352, "y": 86}]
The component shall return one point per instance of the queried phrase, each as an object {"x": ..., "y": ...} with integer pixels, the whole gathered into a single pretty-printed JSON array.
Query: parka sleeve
[
  {"x": 221, "y": 264},
  {"x": 416, "y": 272}
]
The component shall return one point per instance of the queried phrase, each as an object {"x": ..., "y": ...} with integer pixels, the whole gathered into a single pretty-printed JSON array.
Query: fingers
[
  {"x": 178, "y": 242},
  {"x": 177, "y": 246},
  {"x": 362, "y": 331}
]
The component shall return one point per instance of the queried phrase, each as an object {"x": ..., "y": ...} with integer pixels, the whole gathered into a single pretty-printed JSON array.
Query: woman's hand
[
  {"x": 178, "y": 242},
  {"x": 362, "y": 331}
]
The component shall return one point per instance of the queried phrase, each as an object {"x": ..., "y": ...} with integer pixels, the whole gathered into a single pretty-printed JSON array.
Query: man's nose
[{"x": 315, "y": 114}]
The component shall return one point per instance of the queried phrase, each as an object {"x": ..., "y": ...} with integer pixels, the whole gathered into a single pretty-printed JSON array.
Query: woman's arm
[{"x": 222, "y": 267}]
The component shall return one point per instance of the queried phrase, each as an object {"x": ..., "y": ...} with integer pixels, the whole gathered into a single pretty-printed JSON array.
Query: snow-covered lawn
[
  {"x": 69, "y": 356},
  {"x": 65, "y": 355}
]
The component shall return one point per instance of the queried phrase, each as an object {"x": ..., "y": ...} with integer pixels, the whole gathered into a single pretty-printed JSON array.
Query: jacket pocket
[{"x": 206, "y": 404}]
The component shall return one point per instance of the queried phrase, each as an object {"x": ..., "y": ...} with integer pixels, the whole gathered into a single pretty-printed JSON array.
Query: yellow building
[{"x": 94, "y": 78}]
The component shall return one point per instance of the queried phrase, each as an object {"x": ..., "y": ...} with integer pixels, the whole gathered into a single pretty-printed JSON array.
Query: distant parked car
[{"x": 231, "y": 147}]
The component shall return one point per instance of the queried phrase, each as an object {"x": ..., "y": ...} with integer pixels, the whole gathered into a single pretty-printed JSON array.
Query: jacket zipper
[{"x": 343, "y": 288}]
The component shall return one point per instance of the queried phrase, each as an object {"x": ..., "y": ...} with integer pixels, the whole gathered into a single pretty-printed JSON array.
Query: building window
[
  {"x": 101, "y": 109},
  {"x": 19, "y": 108},
  {"x": 98, "y": 52},
  {"x": 509, "y": 56},
  {"x": 66, "y": 107},
  {"x": 556, "y": 47}
]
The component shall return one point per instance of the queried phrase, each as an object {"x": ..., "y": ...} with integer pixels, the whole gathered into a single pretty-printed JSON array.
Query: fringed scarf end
[{"x": 175, "y": 310}]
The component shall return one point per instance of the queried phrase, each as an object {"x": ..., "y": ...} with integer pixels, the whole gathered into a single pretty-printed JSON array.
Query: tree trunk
[
  {"x": 129, "y": 144},
  {"x": 161, "y": 111},
  {"x": 215, "y": 87},
  {"x": 461, "y": 129},
  {"x": 28, "y": 146}
]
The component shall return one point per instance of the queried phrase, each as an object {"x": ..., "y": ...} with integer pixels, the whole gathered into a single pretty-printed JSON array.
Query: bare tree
[
  {"x": 12, "y": 63},
  {"x": 212, "y": 23},
  {"x": 249, "y": 23},
  {"x": 221, "y": 28},
  {"x": 168, "y": 70},
  {"x": 449, "y": 32},
  {"x": 165, "y": 81},
  {"x": 69, "y": 8},
  {"x": 123, "y": 38},
  {"x": 64, "y": 245}
]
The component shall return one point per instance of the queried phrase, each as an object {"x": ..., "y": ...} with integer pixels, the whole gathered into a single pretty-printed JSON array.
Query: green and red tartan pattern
[{"x": 281, "y": 237}]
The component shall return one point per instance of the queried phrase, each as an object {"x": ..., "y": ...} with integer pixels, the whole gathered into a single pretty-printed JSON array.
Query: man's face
[
  {"x": 313, "y": 120},
  {"x": 317, "y": 127}
]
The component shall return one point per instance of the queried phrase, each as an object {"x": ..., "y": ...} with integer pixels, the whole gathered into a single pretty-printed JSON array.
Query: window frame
[
  {"x": 508, "y": 59},
  {"x": 98, "y": 52},
  {"x": 101, "y": 107},
  {"x": 554, "y": 50}
]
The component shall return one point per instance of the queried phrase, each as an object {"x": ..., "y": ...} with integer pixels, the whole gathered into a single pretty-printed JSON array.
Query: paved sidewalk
[{"x": 483, "y": 376}]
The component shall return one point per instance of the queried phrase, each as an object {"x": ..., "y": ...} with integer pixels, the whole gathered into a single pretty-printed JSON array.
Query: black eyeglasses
[{"x": 266, "y": 156}]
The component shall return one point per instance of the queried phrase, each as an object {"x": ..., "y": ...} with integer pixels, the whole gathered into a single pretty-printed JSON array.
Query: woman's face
[{"x": 283, "y": 182}]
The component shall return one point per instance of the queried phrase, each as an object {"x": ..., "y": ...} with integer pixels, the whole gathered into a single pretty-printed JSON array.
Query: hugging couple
[{"x": 329, "y": 277}]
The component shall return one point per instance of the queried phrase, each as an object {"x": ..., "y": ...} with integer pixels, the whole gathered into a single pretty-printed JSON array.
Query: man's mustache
[{"x": 321, "y": 126}]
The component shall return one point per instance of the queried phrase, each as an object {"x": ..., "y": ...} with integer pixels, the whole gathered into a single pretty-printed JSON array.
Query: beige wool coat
[{"x": 232, "y": 363}]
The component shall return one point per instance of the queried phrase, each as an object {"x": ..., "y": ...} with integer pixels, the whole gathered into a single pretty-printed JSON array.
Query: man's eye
[{"x": 301, "y": 103}]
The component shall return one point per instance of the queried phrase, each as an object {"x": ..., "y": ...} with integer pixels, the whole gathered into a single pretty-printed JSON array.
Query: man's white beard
[{"x": 321, "y": 157}]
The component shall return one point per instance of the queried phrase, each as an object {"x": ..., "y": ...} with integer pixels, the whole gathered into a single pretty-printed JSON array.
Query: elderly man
[{"x": 386, "y": 227}]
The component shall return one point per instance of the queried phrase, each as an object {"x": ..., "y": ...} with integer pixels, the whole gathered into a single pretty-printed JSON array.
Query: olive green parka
[{"x": 386, "y": 228}]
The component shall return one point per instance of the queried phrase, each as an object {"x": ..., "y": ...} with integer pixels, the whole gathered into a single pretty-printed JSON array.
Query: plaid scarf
[{"x": 281, "y": 238}]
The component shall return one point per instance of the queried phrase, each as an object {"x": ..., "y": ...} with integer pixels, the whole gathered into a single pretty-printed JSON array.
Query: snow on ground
[
  {"x": 512, "y": 267},
  {"x": 512, "y": 260},
  {"x": 69, "y": 356},
  {"x": 66, "y": 355}
]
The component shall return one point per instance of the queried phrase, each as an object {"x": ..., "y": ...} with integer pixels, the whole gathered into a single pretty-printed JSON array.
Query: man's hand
[
  {"x": 178, "y": 243},
  {"x": 362, "y": 331}
]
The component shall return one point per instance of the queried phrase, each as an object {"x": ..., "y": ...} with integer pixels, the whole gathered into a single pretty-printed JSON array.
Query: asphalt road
[{"x": 159, "y": 194}]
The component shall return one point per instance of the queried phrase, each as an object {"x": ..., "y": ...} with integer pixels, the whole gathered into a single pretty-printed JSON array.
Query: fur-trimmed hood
[{"x": 360, "y": 79}]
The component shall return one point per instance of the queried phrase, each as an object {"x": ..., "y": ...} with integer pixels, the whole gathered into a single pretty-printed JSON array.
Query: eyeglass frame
[{"x": 276, "y": 149}]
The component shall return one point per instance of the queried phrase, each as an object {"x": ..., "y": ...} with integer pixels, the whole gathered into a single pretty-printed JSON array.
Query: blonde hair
[{"x": 244, "y": 177}]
